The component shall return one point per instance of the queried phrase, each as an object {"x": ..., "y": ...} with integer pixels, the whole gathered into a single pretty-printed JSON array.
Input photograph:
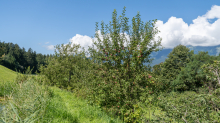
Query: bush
[{"x": 190, "y": 107}]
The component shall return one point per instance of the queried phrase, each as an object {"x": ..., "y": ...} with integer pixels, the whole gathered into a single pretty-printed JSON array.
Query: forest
[{"x": 16, "y": 58}]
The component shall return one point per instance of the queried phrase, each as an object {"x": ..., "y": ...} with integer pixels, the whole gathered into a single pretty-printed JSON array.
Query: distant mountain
[{"x": 161, "y": 55}]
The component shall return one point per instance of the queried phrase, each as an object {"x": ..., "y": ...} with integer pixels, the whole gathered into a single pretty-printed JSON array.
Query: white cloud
[
  {"x": 49, "y": 47},
  {"x": 47, "y": 43},
  {"x": 175, "y": 31},
  {"x": 86, "y": 41},
  {"x": 200, "y": 33}
]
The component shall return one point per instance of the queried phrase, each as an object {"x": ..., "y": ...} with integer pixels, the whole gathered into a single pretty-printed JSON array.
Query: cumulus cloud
[
  {"x": 200, "y": 33},
  {"x": 175, "y": 31},
  {"x": 86, "y": 41}
]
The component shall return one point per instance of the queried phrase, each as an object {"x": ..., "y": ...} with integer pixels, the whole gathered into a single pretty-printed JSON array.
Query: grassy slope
[
  {"x": 7, "y": 74},
  {"x": 7, "y": 78},
  {"x": 63, "y": 106}
]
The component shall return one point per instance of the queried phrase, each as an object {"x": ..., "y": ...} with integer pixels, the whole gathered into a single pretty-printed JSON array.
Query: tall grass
[
  {"x": 28, "y": 103},
  {"x": 32, "y": 101},
  {"x": 6, "y": 88}
]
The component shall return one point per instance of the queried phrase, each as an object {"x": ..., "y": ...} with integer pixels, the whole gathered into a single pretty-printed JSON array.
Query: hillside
[
  {"x": 161, "y": 55},
  {"x": 7, "y": 74},
  {"x": 55, "y": 105}
]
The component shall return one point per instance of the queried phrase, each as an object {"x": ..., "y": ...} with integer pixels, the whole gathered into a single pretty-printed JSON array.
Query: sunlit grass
[
  {"x": 28, "y": 100},
  {"x": 65, "y": 107},
  {"x": 7, "y": 78},
  {"x": 7, "y": 74},
  {"x": 55, "y": 105}
]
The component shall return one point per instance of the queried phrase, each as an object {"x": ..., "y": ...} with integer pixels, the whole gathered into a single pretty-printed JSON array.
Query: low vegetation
[
  {"x": 29, "y": 101},
  {"x": 51, "y": 104}
]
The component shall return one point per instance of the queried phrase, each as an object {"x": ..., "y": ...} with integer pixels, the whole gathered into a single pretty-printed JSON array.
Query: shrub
[{"x": 190, "y": 106}]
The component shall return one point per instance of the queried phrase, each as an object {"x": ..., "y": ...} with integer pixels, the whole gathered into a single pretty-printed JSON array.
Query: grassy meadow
[{"x": 27, "y": 99}]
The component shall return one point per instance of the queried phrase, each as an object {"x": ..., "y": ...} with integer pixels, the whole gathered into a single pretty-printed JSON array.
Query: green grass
[
  {"x": 7, "y": 74},
  {"x": 65, "y": 107},
  {"x": 30, "y": 101},
  {"x": 7, "y": 78}
]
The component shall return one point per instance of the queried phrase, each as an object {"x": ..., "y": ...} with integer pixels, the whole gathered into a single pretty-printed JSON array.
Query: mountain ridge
[{"x": 161, "y": 55}]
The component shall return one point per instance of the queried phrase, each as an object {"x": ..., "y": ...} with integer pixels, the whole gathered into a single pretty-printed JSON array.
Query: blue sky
[{"x": 42, "y": 24}]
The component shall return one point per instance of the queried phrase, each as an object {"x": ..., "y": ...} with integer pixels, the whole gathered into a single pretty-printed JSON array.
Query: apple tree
[{"x": 122, "y": 80}]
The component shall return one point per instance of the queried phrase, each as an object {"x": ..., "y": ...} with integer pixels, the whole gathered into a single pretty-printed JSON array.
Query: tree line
[{"x": 16, "y": 58}]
